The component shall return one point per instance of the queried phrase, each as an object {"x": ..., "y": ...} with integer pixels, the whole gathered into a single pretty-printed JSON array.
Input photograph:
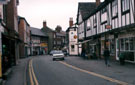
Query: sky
[{"x": 54, "y": 12}]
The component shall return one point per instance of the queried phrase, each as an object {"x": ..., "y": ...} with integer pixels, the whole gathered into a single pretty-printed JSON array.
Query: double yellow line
[
  {"x": 95, "y": 74},
  {"x": 33, "y": 79}
]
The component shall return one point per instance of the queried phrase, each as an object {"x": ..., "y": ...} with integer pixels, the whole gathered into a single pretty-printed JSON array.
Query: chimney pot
[
  {"x": 70, "y": 22},
  {"x": 44, "y": 24},
  {"x": 97, "y": 3}
]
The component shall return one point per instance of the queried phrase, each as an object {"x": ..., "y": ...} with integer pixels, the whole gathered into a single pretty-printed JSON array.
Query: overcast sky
[{"x": 55, "y": 12}]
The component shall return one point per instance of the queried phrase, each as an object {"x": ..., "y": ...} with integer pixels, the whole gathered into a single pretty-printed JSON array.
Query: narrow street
[{"x": 43, "y": 71}]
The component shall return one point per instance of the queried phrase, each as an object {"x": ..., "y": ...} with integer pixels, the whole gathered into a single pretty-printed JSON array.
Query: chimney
[
  {"x": 44, "y": 24},
  {"x": 70, "y": 22},
  {"x": 97, "y": 3}
]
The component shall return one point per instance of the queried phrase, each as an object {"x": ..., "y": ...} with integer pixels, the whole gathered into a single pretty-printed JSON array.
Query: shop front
[
  {"x": 109, "y": 41},
  {"x": 126, "y": 44},
  {"x": 44, "y": 48}
]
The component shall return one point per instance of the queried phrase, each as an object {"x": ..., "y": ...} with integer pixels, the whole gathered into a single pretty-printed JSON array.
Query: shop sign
[{"x": 43, "y": 44}]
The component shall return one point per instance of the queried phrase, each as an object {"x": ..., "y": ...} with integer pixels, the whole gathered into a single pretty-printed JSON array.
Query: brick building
[{"x": 24, "y": 34}]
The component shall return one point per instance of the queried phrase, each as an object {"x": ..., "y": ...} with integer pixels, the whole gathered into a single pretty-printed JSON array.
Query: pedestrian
[{"x": 106, "y": 56}]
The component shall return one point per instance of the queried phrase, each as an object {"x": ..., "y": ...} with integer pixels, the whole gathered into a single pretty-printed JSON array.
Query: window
[
  {"x": 72, "y": 32},
  {"x": 54, "y": 36},
  {"x": 54, "y": 42},
  {"x": 131, "y": 43},
  {"x": 122, "y": 44},
  {"x": 88, "y": 25},
  {"x": 95, "y": 20},
  {"x": 114, "y": 8},
  {"x": 74, "y": 29},
  {"x": 126, "y": 44},
  {"x": 59, "y": 42},
  {"x": 125, "y": 5},
  {"x": 72, "y": 48},
  {"x": 112, "y": 46}
]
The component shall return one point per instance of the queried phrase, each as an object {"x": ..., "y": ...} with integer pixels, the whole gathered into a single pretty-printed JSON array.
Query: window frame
[
  {"x": 124, "y": 8},
  {"x": 114, "y": 7}
]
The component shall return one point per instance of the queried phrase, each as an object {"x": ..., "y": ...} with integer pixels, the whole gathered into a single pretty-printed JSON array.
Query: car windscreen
[{"x": 58, "y": 52}]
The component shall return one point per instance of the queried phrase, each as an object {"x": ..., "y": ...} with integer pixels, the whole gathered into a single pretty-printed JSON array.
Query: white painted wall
[{"x": 73, "y": 41}]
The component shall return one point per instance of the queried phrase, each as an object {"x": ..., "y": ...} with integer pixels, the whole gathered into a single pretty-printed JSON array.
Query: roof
[
  {"x": 95, "y": 9},
  {"x": 74, "y": 26},
  {"x": 85, "y": 8},
  {"x": 37, "y": 32},
  {"x": 48, "y": 29},
  {"x": 60, "y": 34},
  {"x": 19, "y": 17}
]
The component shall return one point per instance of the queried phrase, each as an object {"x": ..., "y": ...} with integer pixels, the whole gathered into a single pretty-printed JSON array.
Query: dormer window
[
  {"x": 114, "y": 8},
  {"x": 125, "y": 5}
]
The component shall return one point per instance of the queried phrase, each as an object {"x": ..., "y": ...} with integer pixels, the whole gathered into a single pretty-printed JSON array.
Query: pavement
[
  {"x": 18, "y": 74},
  {"x": 124, "y": 73},
  {"x": 116, "y": 71}
]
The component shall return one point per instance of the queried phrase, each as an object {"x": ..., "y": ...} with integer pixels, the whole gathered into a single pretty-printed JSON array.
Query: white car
[{"x": 58, "y": 55}]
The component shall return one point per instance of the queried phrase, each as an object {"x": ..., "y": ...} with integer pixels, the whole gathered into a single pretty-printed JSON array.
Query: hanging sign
[
  {"x": 75, "y": 36},
  {"x": 108, "y": 26}
]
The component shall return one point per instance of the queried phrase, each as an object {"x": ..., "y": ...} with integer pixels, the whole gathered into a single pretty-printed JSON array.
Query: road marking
[
  {"x": 32, "y": 74},
  {"x": 35, "y": 79},
  {"x": 95, "y": 74}
]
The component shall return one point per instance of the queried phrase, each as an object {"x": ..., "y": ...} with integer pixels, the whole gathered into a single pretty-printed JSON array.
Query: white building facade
[
  {"x": 73, "y": 47},
  {"x": 112, "y": 25}
]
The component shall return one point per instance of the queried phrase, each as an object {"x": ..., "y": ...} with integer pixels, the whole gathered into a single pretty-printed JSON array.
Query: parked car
[
  {"x": 65, "y": 52},
  {"x": 58, "y": 55}
]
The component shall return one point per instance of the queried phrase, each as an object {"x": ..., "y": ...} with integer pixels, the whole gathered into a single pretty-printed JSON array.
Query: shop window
[
  {"x": 126, "y": 44},
  {"x": 72, "y": 48},
  {"x": 112, "y": 46},
  {"x": 131, "y": 42},
  {"x": 122, "y": 44}
]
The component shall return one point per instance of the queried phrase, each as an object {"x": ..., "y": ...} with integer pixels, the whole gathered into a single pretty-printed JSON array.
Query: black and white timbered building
[{"x": 112, "y": 25}]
